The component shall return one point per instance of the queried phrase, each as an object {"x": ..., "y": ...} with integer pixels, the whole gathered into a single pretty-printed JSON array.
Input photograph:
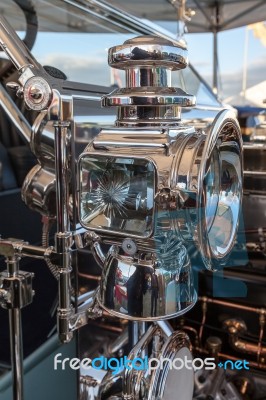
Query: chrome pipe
[
  {"x": 15, "y": 336},
  {"x": 98, "y": 254},
  {"x": 254, "y": 173},
  {"x": 14, "y": 48},
  {"x": 143, "y": 341},
  {"x": 134, "y": 332},
  {"x": 21, "y": 248},
  {"x": 16, "y": 348},
  {"x": 63, "y": 237},
  {"x": 83, "y": 298},
  {"x": 35, "y": 251},
  {"x": 137, "y": 349},
  {"x": 215, "y": 63},
  {"x": 165, "y": 327},
  {"x": 14, "y": 114},
  {"x": 217, "y": 380},
  {"x": 62, "y": 175},
  {"x": 85, "y": 301},
  {"x": 143, "y": 326},
  {"x": 121, "y": 341}
]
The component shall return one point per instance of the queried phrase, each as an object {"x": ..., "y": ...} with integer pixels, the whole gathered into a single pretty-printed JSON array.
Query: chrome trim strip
[
  {"x": 14, "y": 114},
  {"x": 122, "y": 19},
  {"x": 14, "y": 48},
  {"x": 255, "y": 173}
]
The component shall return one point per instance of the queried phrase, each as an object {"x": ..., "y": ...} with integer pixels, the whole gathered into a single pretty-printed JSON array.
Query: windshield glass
[{"x": 76, "y": 39}]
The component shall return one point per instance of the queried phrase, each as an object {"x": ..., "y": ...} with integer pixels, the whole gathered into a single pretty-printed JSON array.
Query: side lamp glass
[{"x": 117, "y": 194}]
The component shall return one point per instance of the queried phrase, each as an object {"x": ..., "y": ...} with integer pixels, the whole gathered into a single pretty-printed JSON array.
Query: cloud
[
  {"x": 232, "y": 82},
  {"x": 202, "y": 64},
  {"x": 95, "y": 70},
  {"x": 92, "y": 69}
]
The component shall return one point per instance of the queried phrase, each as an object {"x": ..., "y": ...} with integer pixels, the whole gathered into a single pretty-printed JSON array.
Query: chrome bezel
[
  {"x": 46, "y": 93},
  {"x": 225, "y": 119},
  {"x": 174, "y": 344}
]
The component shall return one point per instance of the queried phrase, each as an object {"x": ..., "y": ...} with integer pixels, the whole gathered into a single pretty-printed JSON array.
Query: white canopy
[{"x": 255, "y": 96}]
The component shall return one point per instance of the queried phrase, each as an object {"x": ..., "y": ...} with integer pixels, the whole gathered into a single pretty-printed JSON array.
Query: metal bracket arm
[
  {"x": 17, "y": 290},
  {"x": 82, "y": 318}
]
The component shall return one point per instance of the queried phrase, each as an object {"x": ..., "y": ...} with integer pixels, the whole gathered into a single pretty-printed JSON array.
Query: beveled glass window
[{"x": 116, "y": 194}]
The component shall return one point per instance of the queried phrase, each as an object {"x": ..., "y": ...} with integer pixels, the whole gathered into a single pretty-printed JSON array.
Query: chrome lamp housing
[{"x": 152, "y": 185}]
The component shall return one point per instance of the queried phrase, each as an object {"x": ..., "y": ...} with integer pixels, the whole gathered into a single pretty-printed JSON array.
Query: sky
[
  {"x": 83, "y": 56},
  {"x": 231, "y": 58}
]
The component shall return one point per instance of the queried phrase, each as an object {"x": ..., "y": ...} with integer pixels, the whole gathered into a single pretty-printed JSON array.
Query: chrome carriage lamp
[{"x": 152, "y": 184}]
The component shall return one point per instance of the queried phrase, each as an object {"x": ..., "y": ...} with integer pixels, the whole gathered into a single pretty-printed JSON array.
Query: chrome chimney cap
[{"x": 148, "y": 51}]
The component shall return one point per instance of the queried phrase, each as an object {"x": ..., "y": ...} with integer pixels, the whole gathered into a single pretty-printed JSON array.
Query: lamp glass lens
[
  {"x": 117, "y": 194},
  {"x": 212, "y": 186},
  {"x": 223, "y": 198}
]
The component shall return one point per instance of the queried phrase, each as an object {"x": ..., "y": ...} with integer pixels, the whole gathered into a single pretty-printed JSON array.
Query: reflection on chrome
[
  {"x": 152, "y": 289},
  {"x": 151, "y": 185}
]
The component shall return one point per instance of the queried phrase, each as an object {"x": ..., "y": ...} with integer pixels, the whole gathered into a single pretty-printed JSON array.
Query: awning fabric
[{"x": 211, "y": 15}]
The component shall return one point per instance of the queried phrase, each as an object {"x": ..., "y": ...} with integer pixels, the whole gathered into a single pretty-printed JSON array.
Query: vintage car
[{"x": 121, "y": 211}]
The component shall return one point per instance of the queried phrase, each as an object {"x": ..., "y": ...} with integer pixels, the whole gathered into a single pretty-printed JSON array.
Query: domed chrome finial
[
  {"x": 148, "y": 51},
  {"x": 148, "y": 98}
]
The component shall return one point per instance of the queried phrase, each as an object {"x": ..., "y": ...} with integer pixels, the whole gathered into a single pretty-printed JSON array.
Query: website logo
[{"x": 149, "y": 364}]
